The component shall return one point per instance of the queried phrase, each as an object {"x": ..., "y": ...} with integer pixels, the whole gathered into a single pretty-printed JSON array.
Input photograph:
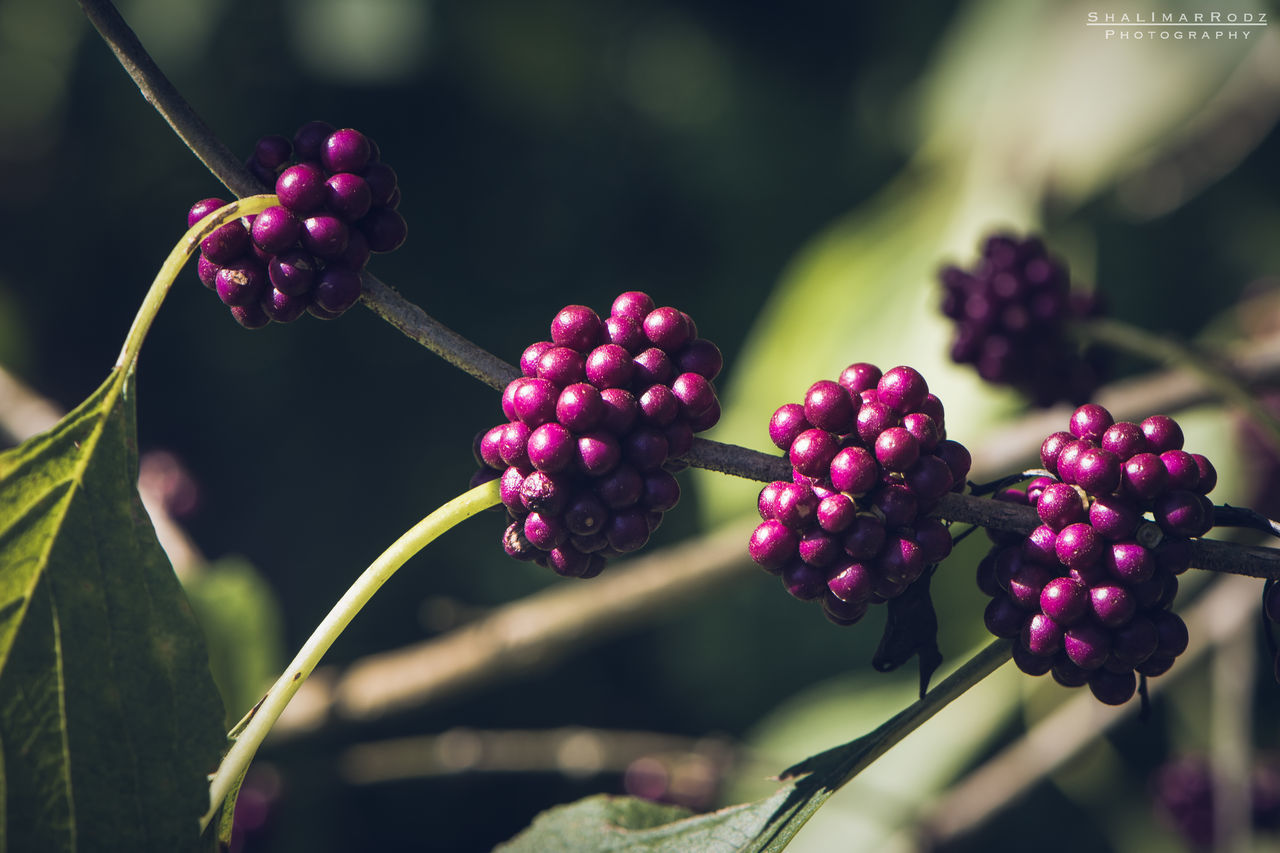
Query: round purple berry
[
  {"x": 301, "y": 188},
  {"x": 345, "y": 150},
  {"x": 577, "y": 327}
]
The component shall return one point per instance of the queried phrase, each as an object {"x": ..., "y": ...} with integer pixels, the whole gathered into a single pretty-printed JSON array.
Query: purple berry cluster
[
  {"x": 1183, "y": 791},
  {"x": 338, "y": 204},
  {"x": 1088, "y": 591},
  {"x": 1011, "y": 313},
  {"x": 594, "y": 430},
  {"x": 870, "y": 459}
]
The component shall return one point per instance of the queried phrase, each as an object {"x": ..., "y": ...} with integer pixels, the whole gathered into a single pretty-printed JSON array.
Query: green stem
[
  {"x": 173, "y": 264},
  {"x": 255, "y": 729},
  {"x": 1217, "y": 379}
]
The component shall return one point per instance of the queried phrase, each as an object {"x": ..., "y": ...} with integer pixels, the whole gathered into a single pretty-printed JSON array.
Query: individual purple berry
[
  {"x": 929, "y": 478},
  {"x": 804, "y": 581},
  {"x": 1184, "y": 472},
  {"x": 336, "y": 289},
  {"x": 646, "y": 449},
  {"x": 533, "y": 401},
  {"x": 241, "y": 284},
  {"x": 1112, "y": 605},
  {"x": 1087, "y": 645},
  {"x": 1041, "y": 635},
  {"x": 385, "y": 229},
  {"x": 348, "y": 196},
  {"x": 667, "y": 328},
  {"x": 661, "y": 491},
  {"x": 283, "y": 307},
  {"x": 1052, "y": 448},
  {"x": 865, "y": 537},
  {"x": 1184, "y": 513},
  {"x": 562, "y": 366},
  {"x": 702, "y": 357},
  {"x": 1113, "y": 517},
  {"x": 577, "y": 327},
  {"x": 1112, "y": 688},
  {"x": 621, "y": 410},
  {"x": 207, "y": 271},
  {"x": 324, "y": 235},
  {"x": 812, "y": 451},
  {"x": 902, "y": 389},
  {"x": 1064, "y": 600},
  {"x": 203, "y": 208},
  {"x": 226, "y": 245},
  {"x": 1077, "y": 546},
  {"x": 787, "y": 423},
  {"x": 627, "y": 531},
  {"x": 896, "y": 449},
  {"x": 597, "y": 453},
  {"x": 1124, "y": 439},
  {"x": 818, "y": 547},
  {"x": 659, "y": 406},
  {"x": 609, "y": 366},
  {"x": 695, "y": 393},
  {"x": 301, "y": 188},
  {"x": 345, "y": 150},
  {"x": 1097, "y": 471},
  {"x": 634, "y": 304},
  {"x": 621, "y": 488},
  {"x": 795, "y": 505},
  {"x": 250, "y": 316},
  {"x": 1060, "y": 505},
  {"x": 827, "y": 406},
  {"x": 1090, "y": 421},
  {"x": 580, "y": 407},
  {"x": 1162, "y": 433},
  {"x": 1003, "y": 618},
  {"x": 1144, "y": 476},
  {"x": 652, "y": 367},
  {"x": 873, "y": 419}
]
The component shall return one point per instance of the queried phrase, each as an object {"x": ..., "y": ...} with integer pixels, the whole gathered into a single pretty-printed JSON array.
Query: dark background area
[{"x": 549, "y": 154}]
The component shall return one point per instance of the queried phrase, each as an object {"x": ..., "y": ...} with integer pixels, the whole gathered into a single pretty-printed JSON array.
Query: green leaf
[{"x": 109, "y": 719}]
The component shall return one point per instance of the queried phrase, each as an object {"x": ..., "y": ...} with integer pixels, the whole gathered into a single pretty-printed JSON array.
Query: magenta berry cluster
[
  {"x": 1183, "y": 793},
  {"x": 337, "y": 205},
  {"x": 1087, "y": 594},
  {"x": 1011, "y": 313},
  {"x": 870, "y": 459},
  {"x": 595, "y": 428}
]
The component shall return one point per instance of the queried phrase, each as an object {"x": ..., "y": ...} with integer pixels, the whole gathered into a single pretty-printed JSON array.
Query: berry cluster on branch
[
  {"x": 870, "y": 459},
  {"x": 1088, "y": 592},
  {"x": 595, "y": 426},
  {"x": 1011, "y": 314},
  {"x": 337, "y": 205}
]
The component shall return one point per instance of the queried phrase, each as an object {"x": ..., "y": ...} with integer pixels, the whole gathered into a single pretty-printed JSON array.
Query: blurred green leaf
[
  {"x": 242, "y": 625},
  {"x": 108, "y": 716}
]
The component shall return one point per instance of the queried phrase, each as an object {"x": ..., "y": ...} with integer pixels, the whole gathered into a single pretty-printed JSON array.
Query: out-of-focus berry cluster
[
  {"x": 594, "y": 430},
  {"x": 1011, "y": 314},
  {"x": 1183, "y": 793},
  {"x": 338, "y": 205},
  {"x": 870, "y": 458},
  {"x": 1087, "y": 593}
]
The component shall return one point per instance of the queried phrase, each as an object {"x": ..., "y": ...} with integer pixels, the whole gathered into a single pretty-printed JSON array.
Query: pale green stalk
[{"x": 254, "y": 730}]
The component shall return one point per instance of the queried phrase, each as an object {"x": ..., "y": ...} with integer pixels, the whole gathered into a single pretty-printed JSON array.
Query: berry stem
[
  {"x": 162, "y": 95},
  {"x": 253, "y": 730},
  {"x": 848, "y": 760},
  {"x": 173, "y": 264},
  {"x": 1220, "y": 380}
]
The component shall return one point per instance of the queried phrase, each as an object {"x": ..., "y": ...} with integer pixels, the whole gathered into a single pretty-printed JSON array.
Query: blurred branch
[
  {"x": 1227, "y": 608},
  {"x": 571, "y": 751}
]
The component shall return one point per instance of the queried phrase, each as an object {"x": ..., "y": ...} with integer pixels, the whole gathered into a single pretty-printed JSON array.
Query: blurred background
[{"x": 793, "y": 180}]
